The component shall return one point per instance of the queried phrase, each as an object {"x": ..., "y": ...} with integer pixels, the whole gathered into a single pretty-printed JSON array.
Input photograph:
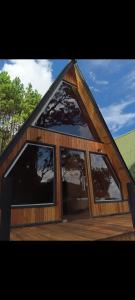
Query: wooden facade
[{"x": 40, "y": 136}]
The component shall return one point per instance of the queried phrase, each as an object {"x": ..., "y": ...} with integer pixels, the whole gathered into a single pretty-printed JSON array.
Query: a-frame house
[{"x": 63, "y": 163}]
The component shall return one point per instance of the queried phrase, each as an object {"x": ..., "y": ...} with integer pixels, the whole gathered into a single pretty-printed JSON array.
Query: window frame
[
  {"x": 82, "y": 108},
  {"x": 54, "y": 183},
  {"x": 109, "y": 165}
]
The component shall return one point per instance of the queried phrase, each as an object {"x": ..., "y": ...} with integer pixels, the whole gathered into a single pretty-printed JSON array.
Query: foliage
[{"x": 16, "y": 104}]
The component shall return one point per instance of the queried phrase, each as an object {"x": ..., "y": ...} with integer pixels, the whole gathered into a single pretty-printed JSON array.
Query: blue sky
[{"x": 112, "y": 83}]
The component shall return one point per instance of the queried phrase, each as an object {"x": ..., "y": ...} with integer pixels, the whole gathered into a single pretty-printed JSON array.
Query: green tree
[
  {"x": 16, "y": 104},
  {"x": 30, "y": 100}
]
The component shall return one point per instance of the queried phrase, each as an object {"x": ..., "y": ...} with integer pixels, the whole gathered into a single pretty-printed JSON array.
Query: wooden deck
[{"x": 101, "y": 228}]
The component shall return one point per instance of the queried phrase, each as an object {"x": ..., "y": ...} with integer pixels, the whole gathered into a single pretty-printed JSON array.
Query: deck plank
[{"x": 100, "y": 228}]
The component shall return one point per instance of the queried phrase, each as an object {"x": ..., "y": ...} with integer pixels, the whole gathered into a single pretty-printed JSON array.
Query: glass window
[
  {"x": 105, "y": 184},
  {"x": 33, "y": 176},
  {"x": 64, "y": 113},
  {"x": 75, "y": 198}
]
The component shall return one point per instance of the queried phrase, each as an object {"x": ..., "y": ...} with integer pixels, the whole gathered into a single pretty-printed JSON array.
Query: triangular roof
[{"x": 70, "y": 69}]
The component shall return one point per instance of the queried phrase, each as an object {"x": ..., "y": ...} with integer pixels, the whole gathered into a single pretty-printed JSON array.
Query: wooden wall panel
[
  {"x": 103, "y": 209},
  {"x": 23, "y": 216},
  {"x": 48, "y": 137}
]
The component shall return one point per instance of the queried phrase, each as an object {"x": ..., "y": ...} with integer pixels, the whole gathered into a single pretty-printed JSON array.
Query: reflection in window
[
  {"x": 33, "y": 176},
  {"x": 75, "y": 198},
  {"x": 105, "y": 184},
  {"x": 64, "y": 114}
]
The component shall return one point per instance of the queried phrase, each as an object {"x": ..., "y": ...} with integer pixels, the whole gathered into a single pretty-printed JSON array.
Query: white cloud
[
  {"x": 37, "y": 72},
  {"x": 110, "y": 66},
  {"x": 116, "y": 118},
  {"x": 103, "y": 82},
  {"x": 129, "y": 80},
  {"x": 92, "y": 88},
  {"x": 93, "y": 78},
  {"x": 100, "y": 62}
]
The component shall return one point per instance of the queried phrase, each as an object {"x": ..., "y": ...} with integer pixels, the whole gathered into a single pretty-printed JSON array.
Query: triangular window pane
[
  {"x": 105, "y": 183},
  {"x": 65, "y": 113},
  {"x": 33, "y": 176}
]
